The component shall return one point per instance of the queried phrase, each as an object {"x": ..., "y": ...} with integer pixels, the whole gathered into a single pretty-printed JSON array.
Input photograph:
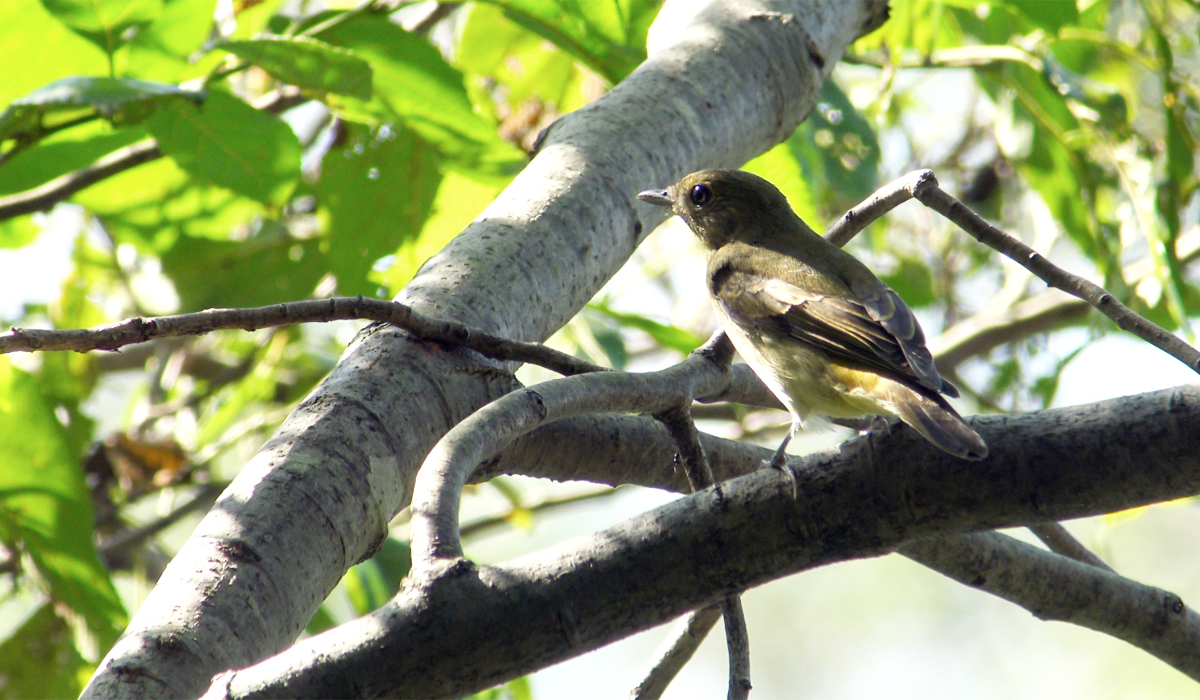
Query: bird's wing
[{"x": 878, "y": 333}]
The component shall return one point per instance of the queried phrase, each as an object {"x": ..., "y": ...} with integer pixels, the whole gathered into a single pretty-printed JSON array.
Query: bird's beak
[{"x": 659, "y": 197}]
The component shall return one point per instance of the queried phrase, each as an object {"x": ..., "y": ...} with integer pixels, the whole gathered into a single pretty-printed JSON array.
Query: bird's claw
[{"x": 780, "y": 462}]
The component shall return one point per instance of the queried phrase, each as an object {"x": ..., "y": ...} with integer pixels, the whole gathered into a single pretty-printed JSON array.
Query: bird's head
[{"x": 722, "y": 206}]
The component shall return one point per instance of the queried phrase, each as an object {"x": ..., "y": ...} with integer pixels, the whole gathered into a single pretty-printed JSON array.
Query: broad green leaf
[
  {"x": 1050, "y": 16},
  {"x": 913, "y": 281},
  {"x": 269, "y": 268},
  {"x": 373, "y": 582},
  {"x": 607, "y": 35},
  {"x": 459, "y": 200},
  {"x": 52, "y": 158},
  {"x": 229, "y": 143},
  {"x": 414, "y": 84},
  {"x": 376, "y": 192},
  {"x": 105, "y": 23},
  {"x": 163, "y": 50},
  {"x": 307, "y": 63},
  {"x": 153, "y": 205},
  {"x": 784, "y": 170},
  {"x": 39, "y": 659},
  {"x": 527, "y": 65},
  {"x": 123, "y": 101},
  {"x": 45, "y": 509},
  {"x": 44, "y": 49},
  {"x": 664, "y": 335},
  {"x": 838, "y": 152},
  {"x": 253, "y": 18}
]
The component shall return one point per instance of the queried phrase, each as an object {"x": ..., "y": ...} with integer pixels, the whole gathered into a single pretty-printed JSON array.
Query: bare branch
[
  {"x": 738, "y": 641},
  {"x": 675, "y": 652},
  {"x": 44, "y": 197},
  {"x": 1056, "y": 537},
  {"x": 1054, "y": 587},
  {"x": 938, "y": 200},
  {"x": 139, "y": 330},
  {"x": 1055, "y": 464}
]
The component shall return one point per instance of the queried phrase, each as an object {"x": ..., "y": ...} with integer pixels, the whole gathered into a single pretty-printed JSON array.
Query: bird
[{"x": 825, "y": 334}]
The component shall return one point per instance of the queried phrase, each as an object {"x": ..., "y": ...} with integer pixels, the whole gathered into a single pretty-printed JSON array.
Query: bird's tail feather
[{"x": 938, "y": 422}]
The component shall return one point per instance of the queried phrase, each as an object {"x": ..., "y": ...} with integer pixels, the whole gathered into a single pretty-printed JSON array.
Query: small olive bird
[{"x": 819, "y": 328}]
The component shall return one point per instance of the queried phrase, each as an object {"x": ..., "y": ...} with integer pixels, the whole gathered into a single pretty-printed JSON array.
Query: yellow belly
[{"x": 805, "y": 380}]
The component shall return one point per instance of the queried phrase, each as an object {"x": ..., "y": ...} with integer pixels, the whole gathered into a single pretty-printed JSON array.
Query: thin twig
[
  {"x": 484, "y": 524},
  {"x": 938, "y": 200},
  {"x": 121, "y": 542},
  {"x": 1056, "y": 537},
  {"x": 139, "y": 330},
  {"x": 46, "y": 196},
  {"x": 737, "y": 639},
  {"x": 880, "y": 202},
  {"x": 923, "y": 185},
  {"x": 677, "y": 649}
]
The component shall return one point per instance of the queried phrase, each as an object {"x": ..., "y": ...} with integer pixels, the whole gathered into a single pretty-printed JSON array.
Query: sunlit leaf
[
  {"x": 376, "y": 191},
  {"x": 608, "y": 35},
  {"x": 59, "y": 156},
  {"x": 106, "y": 24},
  {"x": 664, "y": 335},
  {"x": 123, "y": 101},
  {"x": 307, "y": 63},
  {"x": 163, "y": 50},
  {"x": 39, "y": 659},
  {"x": 44, "y": 48},
  {"x": 269, "y": 268},
  {"x": 415, "y": 85},
  {"x": 45, "y": 509},
  {"x": 229, "y": 143}
]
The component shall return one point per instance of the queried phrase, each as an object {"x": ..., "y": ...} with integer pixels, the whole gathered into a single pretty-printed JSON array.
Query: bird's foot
[{"x": 779, "y": 461}]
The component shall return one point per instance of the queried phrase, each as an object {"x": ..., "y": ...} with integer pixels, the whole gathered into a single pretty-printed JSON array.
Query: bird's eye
[{"x": 701, "y": 195}]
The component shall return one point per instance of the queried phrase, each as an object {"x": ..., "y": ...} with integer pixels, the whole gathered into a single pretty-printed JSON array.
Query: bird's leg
[{"x": 779, "y": 459}]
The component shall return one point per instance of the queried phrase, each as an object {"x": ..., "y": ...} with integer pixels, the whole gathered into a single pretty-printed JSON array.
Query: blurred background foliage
[{"x": 162, "y": 156}]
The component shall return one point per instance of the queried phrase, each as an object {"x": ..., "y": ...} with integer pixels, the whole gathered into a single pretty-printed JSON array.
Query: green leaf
[
  {"x": 607, "y": 35},
  {"x": 414, "y": 84},
  {"x": 123, "y": 101},
  {"x": 376, "y": 191},
  {"x": 17, "y": 232},
  {"x": 781, "y": 166},
  {"x": 269, "y": 268},
  {"x": 664, "y": 335},
  {"x": 307, "y": 63},
  {"x": 913, "y": 281},
  {"x": 39, "y": 659},
  {"x": 837, "y": 150},
  {"x": 163, "y": 50},
  {"x": 44, "y": 49},
  {"x": 228, "y": 142},
  {"x": 106, "y": 23},
  {"x": 45, "y": 509},
  {"x": 459, "y": 200},
  {"x": 52, "y": 158},
  {"x": 153, "y": 205},
  {"x": 373, "y": 582},
  {"x": 1049, "y": 15}
]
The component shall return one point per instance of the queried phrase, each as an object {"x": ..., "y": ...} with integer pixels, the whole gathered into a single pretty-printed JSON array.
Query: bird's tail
[{"x": 937, "y": 421}]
